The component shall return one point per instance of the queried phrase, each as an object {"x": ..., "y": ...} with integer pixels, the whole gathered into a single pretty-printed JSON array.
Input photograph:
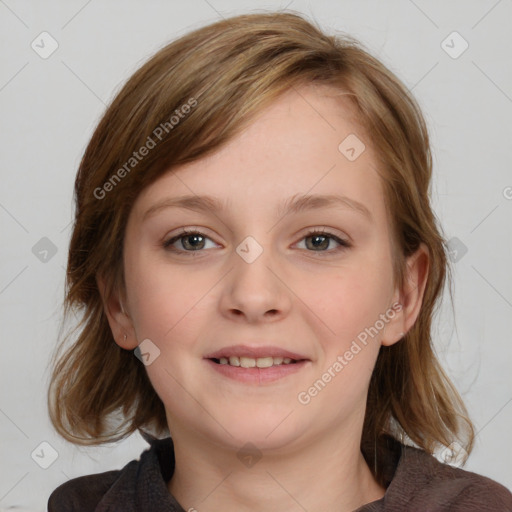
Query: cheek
[
  {"x": 156, "y": 296},
  {"x": 166, "y": 309},
  {"x": 350, "y": 306},
  {"x": 166, "y": 302},
  {"x": 353, "y": 298}
]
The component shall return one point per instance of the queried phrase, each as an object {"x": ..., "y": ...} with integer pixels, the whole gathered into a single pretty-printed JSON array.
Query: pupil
[
  {"x": 321, "y": 245},
  {"x": 195, "y": 237}
]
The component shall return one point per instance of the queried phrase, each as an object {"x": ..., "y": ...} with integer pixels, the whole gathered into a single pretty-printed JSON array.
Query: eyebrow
[{"x": 294, "y": 204}]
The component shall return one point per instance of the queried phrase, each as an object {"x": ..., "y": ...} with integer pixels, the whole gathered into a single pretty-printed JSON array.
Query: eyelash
[{"x": 344, "y": 244}]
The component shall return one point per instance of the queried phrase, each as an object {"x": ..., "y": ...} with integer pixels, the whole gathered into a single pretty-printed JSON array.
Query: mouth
[
  {"x": 251, "y": 362},
  {"x": 256, "y": 365}
]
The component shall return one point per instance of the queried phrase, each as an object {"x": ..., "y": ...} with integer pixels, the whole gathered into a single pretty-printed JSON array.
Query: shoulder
[
  {"x": 421, "y": 480},
  {"x": 468, "y": 491},
  {"x": 114, "y": 489},
  {"x": 82, "y": 494}
]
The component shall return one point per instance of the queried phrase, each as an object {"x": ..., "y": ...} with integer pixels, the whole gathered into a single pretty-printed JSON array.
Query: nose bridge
[{"x": 254, "y": 289}]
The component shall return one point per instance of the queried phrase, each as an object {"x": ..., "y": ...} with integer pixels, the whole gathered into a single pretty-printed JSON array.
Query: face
[{"x": 262, "y": 277}]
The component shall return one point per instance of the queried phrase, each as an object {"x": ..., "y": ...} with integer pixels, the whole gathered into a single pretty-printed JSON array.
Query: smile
[
  {"x": 256, "y": 364},
  {"x": 251, "y": 362}
]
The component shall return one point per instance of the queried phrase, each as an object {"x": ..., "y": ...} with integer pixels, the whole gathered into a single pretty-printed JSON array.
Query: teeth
[
  {"x": 251, "y": 362},
  {"x": 247, "y": 362},
  {"x": 264, "y": 362}
]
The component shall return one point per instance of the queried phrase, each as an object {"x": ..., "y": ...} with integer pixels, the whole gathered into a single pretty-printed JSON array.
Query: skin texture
[{"x": 310, "y": 300}]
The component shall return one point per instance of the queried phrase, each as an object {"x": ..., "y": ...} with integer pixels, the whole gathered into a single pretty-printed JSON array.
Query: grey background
[{"x": 49, "y": 108}]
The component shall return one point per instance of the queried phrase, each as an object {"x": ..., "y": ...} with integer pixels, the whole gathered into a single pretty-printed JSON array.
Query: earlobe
[
  {"x": 410, "y": 297},
  {"x": 119, "y": 320},
  {"x": 394, "y": 330}
]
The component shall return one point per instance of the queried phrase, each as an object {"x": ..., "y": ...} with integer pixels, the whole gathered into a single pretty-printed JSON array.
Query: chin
[{"x": 265, "y": 430}]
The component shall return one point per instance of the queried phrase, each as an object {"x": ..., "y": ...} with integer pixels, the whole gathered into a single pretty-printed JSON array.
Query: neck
[{"x": 328, "y": 474}]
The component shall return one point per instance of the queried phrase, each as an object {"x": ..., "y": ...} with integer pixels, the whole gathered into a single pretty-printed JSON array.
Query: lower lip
[{"x": 257, "y": 375}]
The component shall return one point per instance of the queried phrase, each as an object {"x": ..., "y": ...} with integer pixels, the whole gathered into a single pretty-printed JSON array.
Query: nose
[{"x": 255, "y": 291}]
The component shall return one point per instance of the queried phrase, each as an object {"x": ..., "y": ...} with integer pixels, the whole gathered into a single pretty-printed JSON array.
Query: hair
[{"x": 227, "y": 72}]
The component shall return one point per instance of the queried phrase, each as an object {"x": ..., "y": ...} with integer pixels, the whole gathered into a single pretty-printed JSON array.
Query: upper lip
[{"x": 254, "y": 352}]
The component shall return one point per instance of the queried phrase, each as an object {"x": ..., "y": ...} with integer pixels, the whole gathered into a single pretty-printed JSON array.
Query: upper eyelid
[{"x": 202, "y": 231}]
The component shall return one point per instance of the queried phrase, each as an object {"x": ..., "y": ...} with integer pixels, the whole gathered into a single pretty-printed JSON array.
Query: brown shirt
[{"x": 415, "y": 481}]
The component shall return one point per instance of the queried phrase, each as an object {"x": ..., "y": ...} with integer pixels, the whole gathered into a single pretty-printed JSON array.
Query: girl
[{"x": 258, "y": 263}]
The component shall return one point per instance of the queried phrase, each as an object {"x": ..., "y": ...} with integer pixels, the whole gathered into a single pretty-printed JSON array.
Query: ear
[
  {"x": 407, "y": 301},
  {"x": 118, "y": 317}
]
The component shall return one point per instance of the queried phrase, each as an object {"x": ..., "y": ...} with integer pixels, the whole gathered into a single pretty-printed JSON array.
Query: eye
[
  {"x": 321, "y": 239},
  {"x": 195, "y": 241},
  {"x": 190, "y": 241}
]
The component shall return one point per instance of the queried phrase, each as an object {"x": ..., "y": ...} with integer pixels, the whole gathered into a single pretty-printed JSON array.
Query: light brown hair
[{"x": 232, "y": 69}]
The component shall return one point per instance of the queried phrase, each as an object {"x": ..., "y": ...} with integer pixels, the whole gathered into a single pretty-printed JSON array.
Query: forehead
[{"x": 308, "y": 141}]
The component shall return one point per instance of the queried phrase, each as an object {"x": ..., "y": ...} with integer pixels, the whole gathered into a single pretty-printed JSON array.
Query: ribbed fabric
[{"x": 416, "y": 482}]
